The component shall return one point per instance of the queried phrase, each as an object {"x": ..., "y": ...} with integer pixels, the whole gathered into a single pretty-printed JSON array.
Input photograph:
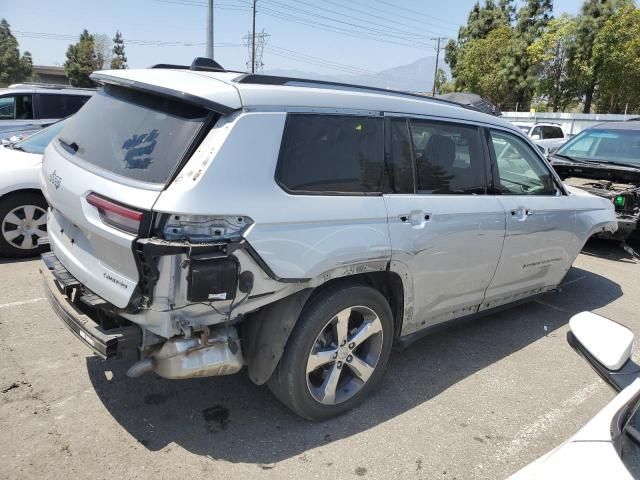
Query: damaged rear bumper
[{"x": 65, "y": 296}]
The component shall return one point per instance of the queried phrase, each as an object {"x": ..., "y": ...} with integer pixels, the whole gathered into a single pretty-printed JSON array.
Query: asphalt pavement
[{"x": 475, "y": 401}]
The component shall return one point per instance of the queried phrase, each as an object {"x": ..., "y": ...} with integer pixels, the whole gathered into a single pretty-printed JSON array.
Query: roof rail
[
  {"x": 46, "y": 85},
  {"x": 260, "y": 79}
]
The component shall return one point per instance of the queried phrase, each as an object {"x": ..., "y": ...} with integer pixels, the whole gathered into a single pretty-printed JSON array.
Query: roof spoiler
[{"x": 161, "y": 91}]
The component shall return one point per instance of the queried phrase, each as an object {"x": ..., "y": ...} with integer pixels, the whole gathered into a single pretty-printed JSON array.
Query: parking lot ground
[{"x": 476, "y": 401}]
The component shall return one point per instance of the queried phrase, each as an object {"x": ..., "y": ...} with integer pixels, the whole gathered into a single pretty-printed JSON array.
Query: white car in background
[
  {"x": 608, "y": 447},
  {"x": 547, "y": 136},
  {"x": 23, "y": 209}
]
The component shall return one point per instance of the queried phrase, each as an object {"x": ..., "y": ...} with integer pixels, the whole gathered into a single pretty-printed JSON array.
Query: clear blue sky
[{"x": 379, "y": 33}]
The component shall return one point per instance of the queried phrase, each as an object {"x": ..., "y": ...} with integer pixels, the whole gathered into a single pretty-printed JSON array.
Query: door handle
[
  {"x": 521, "y": 213},
  {"x": 415, "y": 218}
]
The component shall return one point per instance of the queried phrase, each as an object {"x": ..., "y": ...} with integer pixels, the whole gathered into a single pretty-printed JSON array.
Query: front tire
[
  {"x": 336, "y": 354},
  {"x": 23, "y": 220}
]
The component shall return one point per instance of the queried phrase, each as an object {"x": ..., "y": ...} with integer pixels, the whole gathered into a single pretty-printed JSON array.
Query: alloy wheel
[{"x": 344, "y": 355}]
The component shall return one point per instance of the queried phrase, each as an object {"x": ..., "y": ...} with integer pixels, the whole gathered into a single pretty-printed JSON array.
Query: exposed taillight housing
[
  {"x": 116, "y": 215},
  {"x": 205, "y": 228}
]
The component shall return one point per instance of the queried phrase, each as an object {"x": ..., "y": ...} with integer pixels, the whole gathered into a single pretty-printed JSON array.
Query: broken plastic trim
[{"x": 147, "y": 250}]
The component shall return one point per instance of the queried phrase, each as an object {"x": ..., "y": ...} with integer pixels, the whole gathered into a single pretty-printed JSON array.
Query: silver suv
[{"x": 212, "y": 220}]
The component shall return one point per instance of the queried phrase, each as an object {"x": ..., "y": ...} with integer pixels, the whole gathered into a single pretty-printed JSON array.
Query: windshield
[
  {"x": 604, "y": 145},
  {"x": 132, "y": 134},
  {"x": 37, "y": 142}
]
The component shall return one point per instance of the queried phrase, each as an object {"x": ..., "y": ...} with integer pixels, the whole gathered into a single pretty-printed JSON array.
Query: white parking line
[
  {"x": 531, "y": 432},
  {"x": 25, "y": 302}
]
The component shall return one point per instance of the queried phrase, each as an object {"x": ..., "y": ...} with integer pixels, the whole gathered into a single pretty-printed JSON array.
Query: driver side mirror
[
  {"x": 606, "y": 345},
  {"x": 535, "y": 136}
]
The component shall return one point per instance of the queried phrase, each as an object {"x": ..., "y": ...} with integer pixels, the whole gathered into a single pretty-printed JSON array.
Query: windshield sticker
[{"x": 139, "y": 149}]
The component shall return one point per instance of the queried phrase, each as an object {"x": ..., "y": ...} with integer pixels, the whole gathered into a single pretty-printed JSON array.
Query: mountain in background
[{"x": 414, "y": 77}]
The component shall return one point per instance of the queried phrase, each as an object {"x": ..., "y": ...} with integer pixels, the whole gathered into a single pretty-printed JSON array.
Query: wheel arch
[
  {"x": 19, "y": 191},
  {"x": 266, "y": 332}
]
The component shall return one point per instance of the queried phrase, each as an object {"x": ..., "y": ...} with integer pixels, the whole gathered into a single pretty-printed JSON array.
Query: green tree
[
  {"x": 481, "y": 66},
  {"x": 593, "y": 15},
  {"x": 13, "y": 67},
  {"x": 119, "y": 60},
  {"x": 616, "y": 52},
  {"x": 82, "y": 61},
  {"x": 481, "y": 21},
  {"x": 552, "y": 58},
  {"x": 531, "y": 20}
]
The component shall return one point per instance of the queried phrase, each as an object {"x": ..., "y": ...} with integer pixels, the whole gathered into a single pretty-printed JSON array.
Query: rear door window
[
  {"x": 449, "y": 158},
  {"x": 132, "y": 134},
  {"x": 59, "y": 105},
  {"x": 335, "y": 154}
]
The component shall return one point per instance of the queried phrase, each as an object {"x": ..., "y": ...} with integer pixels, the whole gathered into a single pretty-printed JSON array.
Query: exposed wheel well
[
  {"x": 266, "y": 332},
  {"x": 388, "y": 283}
]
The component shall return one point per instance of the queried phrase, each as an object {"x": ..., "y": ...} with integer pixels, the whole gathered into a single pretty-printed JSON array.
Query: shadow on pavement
[
  {"x": 4, "y": 260},
  {"x": 230, "y": 418},
  {"x": 611, "y": 250}
]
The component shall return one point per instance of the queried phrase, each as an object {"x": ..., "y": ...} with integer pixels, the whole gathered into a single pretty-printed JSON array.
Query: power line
[
  {"x": 334, "y": 29},
  {"x": 364, "y": 12},
  {"x": 416, "y": 12},
  {"x": 189, "y": 3},
  {"x": 390, "y": 32},
  {"x": 364, "y": 32},
  {"x": 311, "y": 57},
  {"x": 156, "y": 43},
  {"x": 402, "y": 33},
  {"x": 397, "y": 14}
]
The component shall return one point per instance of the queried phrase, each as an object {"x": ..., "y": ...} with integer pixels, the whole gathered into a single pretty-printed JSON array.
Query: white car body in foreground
[
  {"x": 597, "y": 450},
  {"x": 22, "y": 205},
  {"x": 18, "y": 170}
]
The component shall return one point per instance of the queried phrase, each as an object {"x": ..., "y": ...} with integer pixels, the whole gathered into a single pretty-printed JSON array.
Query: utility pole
[
  {"x": 253, "y": 40},
  {"x": 435, "y": 74},
  {"x": 210, "y": 31}
]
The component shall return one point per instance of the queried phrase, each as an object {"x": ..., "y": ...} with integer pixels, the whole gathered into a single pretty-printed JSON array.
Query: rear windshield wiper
[{"x": 73, "y": 147}]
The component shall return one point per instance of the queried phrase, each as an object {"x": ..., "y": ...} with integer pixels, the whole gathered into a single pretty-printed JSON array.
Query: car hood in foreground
[{"x": 591, "y": 453}]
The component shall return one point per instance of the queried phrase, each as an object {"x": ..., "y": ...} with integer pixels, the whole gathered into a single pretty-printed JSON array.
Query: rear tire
[
  {"x": 23, "y": 220},
  {"x": 336, "y": 354}
]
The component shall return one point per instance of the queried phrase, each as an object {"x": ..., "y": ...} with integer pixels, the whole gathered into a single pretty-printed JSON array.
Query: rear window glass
[
  {"x": 58, "y": 105},
  {"x": 332, "y": 154},
  {"x": 552, "y": 132},
  {"x": 132, "y": 134}
]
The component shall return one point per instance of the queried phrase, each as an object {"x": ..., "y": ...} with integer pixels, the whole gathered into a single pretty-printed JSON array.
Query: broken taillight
[{"x": 116, "y": 215}]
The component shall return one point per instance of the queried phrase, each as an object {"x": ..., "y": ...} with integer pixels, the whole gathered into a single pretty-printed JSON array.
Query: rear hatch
[{"x": 105, "y": 170}]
